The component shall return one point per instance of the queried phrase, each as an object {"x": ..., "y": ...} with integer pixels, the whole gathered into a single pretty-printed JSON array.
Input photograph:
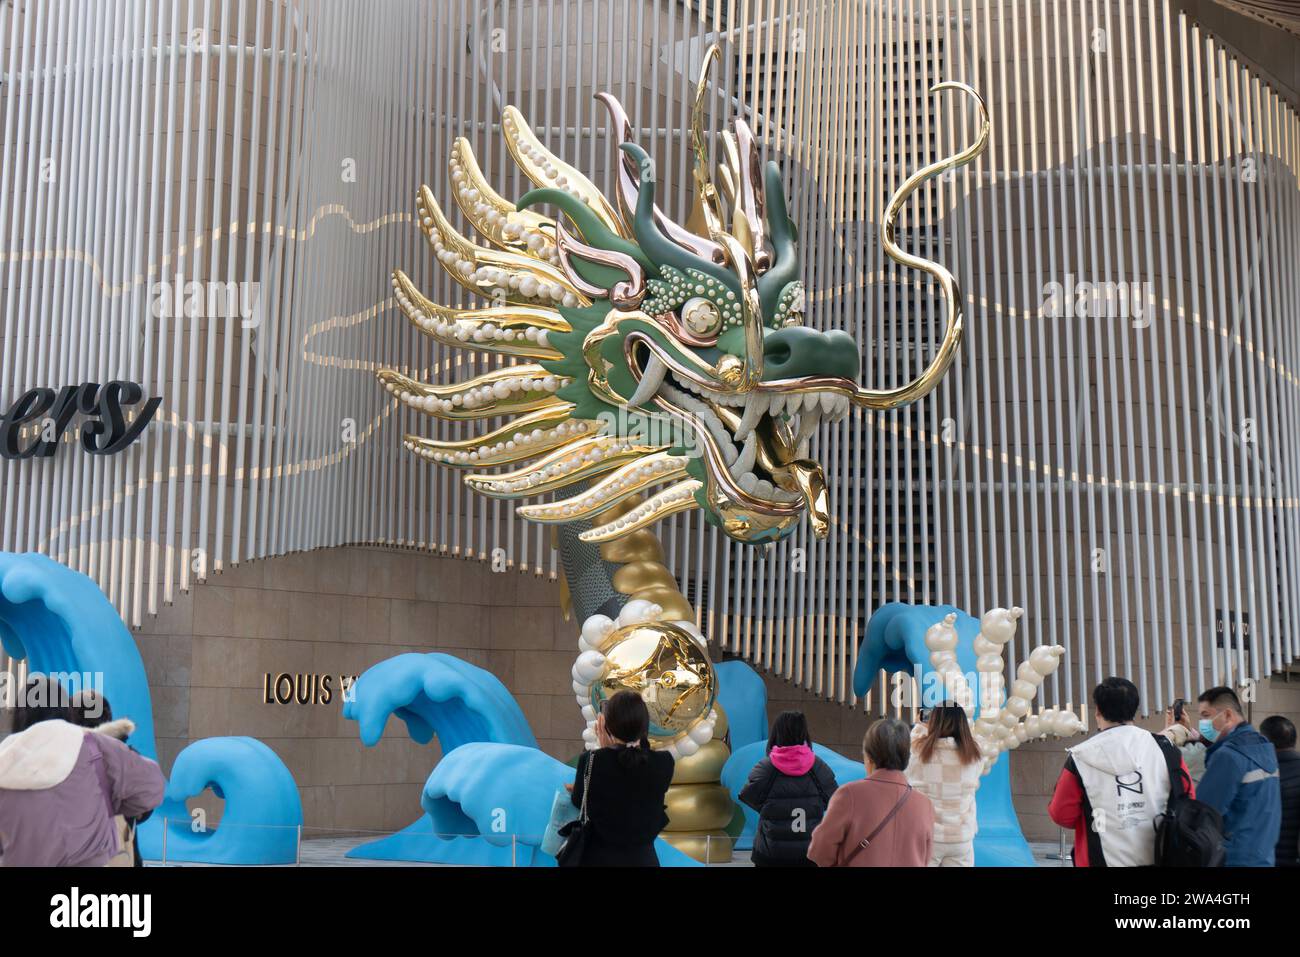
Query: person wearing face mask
[{"x": 1241, "y": 779}]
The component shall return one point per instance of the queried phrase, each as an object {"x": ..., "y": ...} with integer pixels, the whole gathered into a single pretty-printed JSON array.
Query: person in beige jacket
[
  {"x": 945, "y": 767},
  {"x": 880, "y": 821}
]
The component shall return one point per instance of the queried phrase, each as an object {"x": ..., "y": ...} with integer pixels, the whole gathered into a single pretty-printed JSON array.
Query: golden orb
[{"x": 663, "y": 664}]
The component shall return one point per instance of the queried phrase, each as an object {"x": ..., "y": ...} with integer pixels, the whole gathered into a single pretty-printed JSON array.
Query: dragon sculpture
[{"x": 655, "y": 368}]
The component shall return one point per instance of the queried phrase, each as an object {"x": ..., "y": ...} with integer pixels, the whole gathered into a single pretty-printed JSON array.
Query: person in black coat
[
  {"x": 625, "y": 805},
  {"x": 1281, "y": 732},
  {"x": 790, "y": 789}
]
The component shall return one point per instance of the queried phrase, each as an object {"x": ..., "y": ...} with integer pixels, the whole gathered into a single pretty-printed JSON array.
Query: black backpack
[{"x": 1190, "y": 832}]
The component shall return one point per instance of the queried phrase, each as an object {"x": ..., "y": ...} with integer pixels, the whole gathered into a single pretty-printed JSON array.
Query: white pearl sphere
[
  {"x": 595, "y": 628},
  {"x": 1017, "y": 706},
  {"x": 639, "y": 610},
  {"x": 1023, "y": 689}
]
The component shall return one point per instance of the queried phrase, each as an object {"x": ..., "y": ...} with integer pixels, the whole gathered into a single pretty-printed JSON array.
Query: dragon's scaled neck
[{"x": 602, "y": 578}]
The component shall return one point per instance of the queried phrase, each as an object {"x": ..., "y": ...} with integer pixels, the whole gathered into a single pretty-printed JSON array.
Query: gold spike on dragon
[{"x": 658, "y": 368}]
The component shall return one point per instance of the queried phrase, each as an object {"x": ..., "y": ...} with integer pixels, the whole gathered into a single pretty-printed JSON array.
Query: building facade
[{"x": 206, "y": 200}]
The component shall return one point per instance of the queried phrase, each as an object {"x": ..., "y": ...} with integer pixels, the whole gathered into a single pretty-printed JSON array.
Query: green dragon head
[{"x": 661, "y": 360}]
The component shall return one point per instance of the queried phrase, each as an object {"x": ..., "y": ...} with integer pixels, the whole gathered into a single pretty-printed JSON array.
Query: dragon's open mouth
[{"x": 761, "y": 436}]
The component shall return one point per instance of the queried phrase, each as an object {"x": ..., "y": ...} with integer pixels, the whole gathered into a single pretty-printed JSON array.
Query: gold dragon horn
[{"x": 751, "y": 370}]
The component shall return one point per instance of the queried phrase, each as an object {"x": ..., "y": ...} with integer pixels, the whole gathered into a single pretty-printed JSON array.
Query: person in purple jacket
[{"x": 61, "y": 785}]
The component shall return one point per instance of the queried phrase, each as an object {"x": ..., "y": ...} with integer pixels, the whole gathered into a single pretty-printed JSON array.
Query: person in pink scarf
[{"x": 790, "y": 789}]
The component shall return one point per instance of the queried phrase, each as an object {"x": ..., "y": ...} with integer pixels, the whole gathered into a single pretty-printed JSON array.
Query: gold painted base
[
  {"x": 698, "y": 807},
  {"x": 704, "y": 766},
  {"x": 707, "y": 847}
]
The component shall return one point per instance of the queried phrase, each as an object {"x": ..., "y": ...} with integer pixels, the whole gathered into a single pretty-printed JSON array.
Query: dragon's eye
[{"x": 701, "y": 317}]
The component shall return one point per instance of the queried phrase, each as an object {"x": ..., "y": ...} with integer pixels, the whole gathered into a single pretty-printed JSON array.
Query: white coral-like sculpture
[{"x": 1002, "y": 724}]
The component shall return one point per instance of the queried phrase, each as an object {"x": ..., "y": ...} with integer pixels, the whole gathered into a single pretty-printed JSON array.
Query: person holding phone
[
  {"x": 625, "y": 799},
  {"x": 945, "y": 767},
  {"x": 1180, "y": 728}
]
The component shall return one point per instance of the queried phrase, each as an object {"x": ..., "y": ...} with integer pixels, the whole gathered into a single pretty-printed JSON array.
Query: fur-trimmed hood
[
  {"x": 44, "y": 755},
  {"x": 121, "y": 729}
]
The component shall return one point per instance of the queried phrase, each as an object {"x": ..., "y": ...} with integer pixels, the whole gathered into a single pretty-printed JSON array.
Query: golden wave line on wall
[{"x": 213, "y": 235}]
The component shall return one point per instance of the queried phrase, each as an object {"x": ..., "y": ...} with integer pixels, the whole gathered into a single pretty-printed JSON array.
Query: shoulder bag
[
  {"x": 866, "y": 841},
  {"x": 576, "y": 832}
]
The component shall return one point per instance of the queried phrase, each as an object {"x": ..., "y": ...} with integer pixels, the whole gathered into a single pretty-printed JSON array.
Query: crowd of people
[
  {"x": 1117, "y": 787},
  {"x": 1208, "y": 792}
]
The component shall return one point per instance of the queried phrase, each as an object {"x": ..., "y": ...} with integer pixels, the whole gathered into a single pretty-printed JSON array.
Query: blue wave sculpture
[
  {"x": 59, "y": 621},
  {"x": 488, "y": 799},
  {"x": 743, "y": 696},
  {"x": 439, "y": 694},
  {"x": 261, "y": 821},
  {"x": 895, "y": 641}
]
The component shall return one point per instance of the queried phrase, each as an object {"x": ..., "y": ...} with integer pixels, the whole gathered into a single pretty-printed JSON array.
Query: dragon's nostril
[
  {"x": 777, "y": 353},
  {"x": 797, "y": 351}
]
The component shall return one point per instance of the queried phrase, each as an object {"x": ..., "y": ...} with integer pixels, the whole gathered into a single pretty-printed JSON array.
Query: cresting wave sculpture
[
  {"x": 955, "y": 657},
  {"x": 655, "y": 368},
  {"x": 488, "y": 799},
  {"x": 61, "y": 624}
]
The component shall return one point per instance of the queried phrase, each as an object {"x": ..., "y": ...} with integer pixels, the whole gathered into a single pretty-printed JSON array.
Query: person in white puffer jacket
[{"x": 945, "y": 767}]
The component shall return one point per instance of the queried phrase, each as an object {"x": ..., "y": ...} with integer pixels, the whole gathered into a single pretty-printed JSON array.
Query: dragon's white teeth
[
  {"x": 651, "y": 379},
  {"x": 808, "y": 423},
  {"x": 763, "y": 488},
  {"x": 725, "y": 398},
  {"x": 829, "y": 402},
  {"x": 777, "y": 405},
  {"x": 754, "y": 410},
  {"x": 748, "y": 481},
  {"x": 715, "y": 427},
  {"x": 745, "y": 462}
]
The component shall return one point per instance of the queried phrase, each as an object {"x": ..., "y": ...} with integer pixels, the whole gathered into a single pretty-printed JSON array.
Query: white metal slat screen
[{"x": 1127, "y": 478}]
